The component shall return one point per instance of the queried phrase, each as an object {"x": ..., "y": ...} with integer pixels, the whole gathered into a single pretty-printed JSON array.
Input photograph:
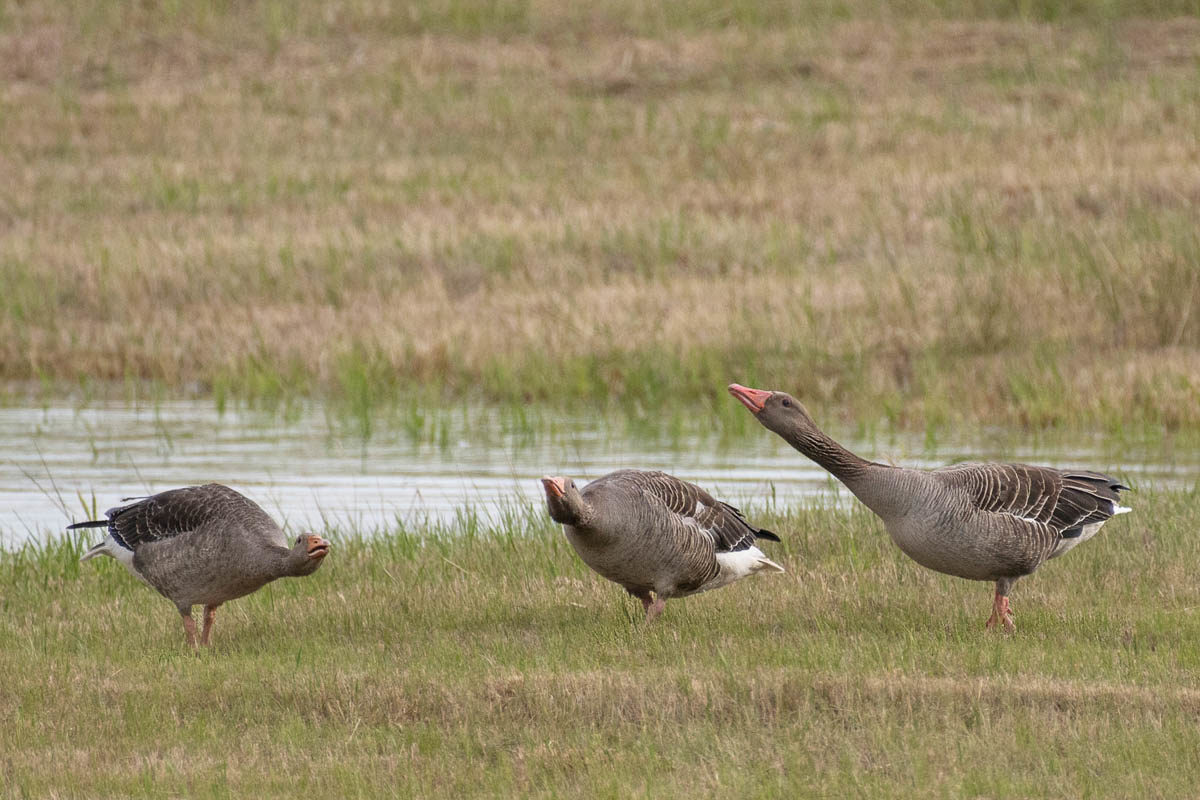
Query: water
[{"x": 309, "y": 473}]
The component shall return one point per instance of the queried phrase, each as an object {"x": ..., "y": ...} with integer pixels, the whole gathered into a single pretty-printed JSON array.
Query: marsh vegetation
[{"x": 924, "y": 214}]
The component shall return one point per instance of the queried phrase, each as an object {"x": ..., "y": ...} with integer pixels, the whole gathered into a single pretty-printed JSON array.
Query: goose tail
[
  {"x": 98, "y": 550},
  {"x": 95, "y": 523},
  {"x": 767, "y": 565},
  {"x": 740, "y": 563}
]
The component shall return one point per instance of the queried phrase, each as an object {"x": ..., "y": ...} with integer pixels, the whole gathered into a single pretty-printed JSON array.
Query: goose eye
[{"x": 787, "y": 403}]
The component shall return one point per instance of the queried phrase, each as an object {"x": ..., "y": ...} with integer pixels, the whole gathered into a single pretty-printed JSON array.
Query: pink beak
[
  {"x": 317, "y": 547},
  {"x": 753, "y": 399},
  {"x": 555, "y": 487}
]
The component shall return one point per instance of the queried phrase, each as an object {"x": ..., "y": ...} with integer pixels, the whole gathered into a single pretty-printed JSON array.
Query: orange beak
[
  {"x": 753, "y": 399},
  {"x": 317, "y": 547},
  {"x": 555, "y": 487}
]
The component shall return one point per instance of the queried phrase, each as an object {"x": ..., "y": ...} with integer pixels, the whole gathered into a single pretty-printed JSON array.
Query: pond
[{"x": 313, "y": 471}]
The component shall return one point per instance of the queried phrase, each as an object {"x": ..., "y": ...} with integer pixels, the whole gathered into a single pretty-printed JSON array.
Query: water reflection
[{"x": 310, "y": 473}]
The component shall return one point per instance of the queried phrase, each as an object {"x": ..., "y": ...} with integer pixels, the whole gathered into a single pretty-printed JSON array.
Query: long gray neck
[
  {"x": 837, "y": 460},
  {"x": 870, "y": 482}
]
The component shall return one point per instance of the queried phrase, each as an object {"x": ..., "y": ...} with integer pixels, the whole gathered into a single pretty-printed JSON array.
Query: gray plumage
[
  {"x": 203, "y": 545},
  {"x": 657, "y": 536},
  {"x": 990, "y": 522}
]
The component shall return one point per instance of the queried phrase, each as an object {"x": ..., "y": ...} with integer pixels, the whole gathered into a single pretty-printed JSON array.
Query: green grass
[{"x": 464, "y": 660}]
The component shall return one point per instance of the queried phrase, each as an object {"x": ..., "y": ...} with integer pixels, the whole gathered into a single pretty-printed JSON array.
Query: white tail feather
[
  {"x": 769, "y": 565},
  {"x": 99, "y": 550},
  {"x": 741, "y": 563},
  {"x": 110, "y": 547}
]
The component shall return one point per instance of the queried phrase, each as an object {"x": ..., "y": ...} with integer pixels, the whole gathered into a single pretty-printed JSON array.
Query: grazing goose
[
  {"x": 653, "y": 533},
  {"x": 986, "y": 522},
  {"x": 202, "y": 545}
]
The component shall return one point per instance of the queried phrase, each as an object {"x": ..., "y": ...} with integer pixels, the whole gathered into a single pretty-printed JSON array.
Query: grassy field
[
  {"x": 921, "y": 213},
  {"x": 429, "y": 664},
  {"x": 969, "y": 216}
]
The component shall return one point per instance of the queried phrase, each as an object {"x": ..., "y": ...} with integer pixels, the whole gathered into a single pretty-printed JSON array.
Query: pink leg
[
  {"x": 654, "y": 609},
  {"x": 653, "y": 606},
  {"x": 1001, "y": 613},
  {"x": 647, "y": 601},
  {"x": 189, "y": 628},
  {"x": 210, "y": 613}
]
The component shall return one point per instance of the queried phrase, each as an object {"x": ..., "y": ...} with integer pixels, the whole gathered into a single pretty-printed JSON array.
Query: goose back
[
  {"x": 1070, "y": 504},
  {"x": 1066, "y": 500},
  {"x": 183, "y": 511}
]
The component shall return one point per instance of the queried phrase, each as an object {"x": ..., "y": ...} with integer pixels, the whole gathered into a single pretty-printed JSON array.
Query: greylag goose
[
  {"x": 986, "y": 522},
  {"x": 655, "y": 535},
  {"x": 202, "y": 545}
]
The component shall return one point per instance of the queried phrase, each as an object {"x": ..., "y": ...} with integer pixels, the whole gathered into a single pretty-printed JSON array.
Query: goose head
[
  {"x": 308, "y": 553},
  {"x": 776, "y": 411},
  {"x": 566, "y": 504}
]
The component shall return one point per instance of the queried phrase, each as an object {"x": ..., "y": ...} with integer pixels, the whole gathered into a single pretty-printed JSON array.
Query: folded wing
[
  {"x": 1065, "y": 500},
  {"x": 729, "y": 530}
]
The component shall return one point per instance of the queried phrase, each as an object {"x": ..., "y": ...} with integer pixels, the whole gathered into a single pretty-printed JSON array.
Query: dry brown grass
[{"x": 980, "y": 219}]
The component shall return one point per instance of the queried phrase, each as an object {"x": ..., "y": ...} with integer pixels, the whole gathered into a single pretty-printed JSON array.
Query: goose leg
[
  {"x": 1001, "y": 612},
  {"x": 647, "y": 601},
  {"x": 189, "y": 627},
  {"x": 652, "y": 605},
  {"x": 655, "y": 608},
  {"x": 210, "y": 613}
]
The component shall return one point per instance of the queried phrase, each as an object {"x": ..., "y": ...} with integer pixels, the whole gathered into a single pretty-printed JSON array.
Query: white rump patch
[
  {"x": 110, "y": 547},
  {"x": 122, "y": 554},
  {"x": 740, "y": 563},
  {"x": 1120, "y": 509}
]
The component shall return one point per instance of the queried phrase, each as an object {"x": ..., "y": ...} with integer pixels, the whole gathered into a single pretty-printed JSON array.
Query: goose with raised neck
[{"x": 992, "y": 522}]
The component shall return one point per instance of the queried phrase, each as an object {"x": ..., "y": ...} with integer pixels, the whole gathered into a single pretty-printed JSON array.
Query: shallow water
[{"x": 59, "y": 462}]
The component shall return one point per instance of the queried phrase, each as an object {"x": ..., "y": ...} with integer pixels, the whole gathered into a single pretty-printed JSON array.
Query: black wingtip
[
  {"x": 770, "y": 537},
  {"x": 96, "y": 523}
]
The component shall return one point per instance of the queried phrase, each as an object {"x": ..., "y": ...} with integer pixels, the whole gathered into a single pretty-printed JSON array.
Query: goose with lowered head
[
  {"x": 203, "y": 545},
  {"x": 656, "y": 535}
]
